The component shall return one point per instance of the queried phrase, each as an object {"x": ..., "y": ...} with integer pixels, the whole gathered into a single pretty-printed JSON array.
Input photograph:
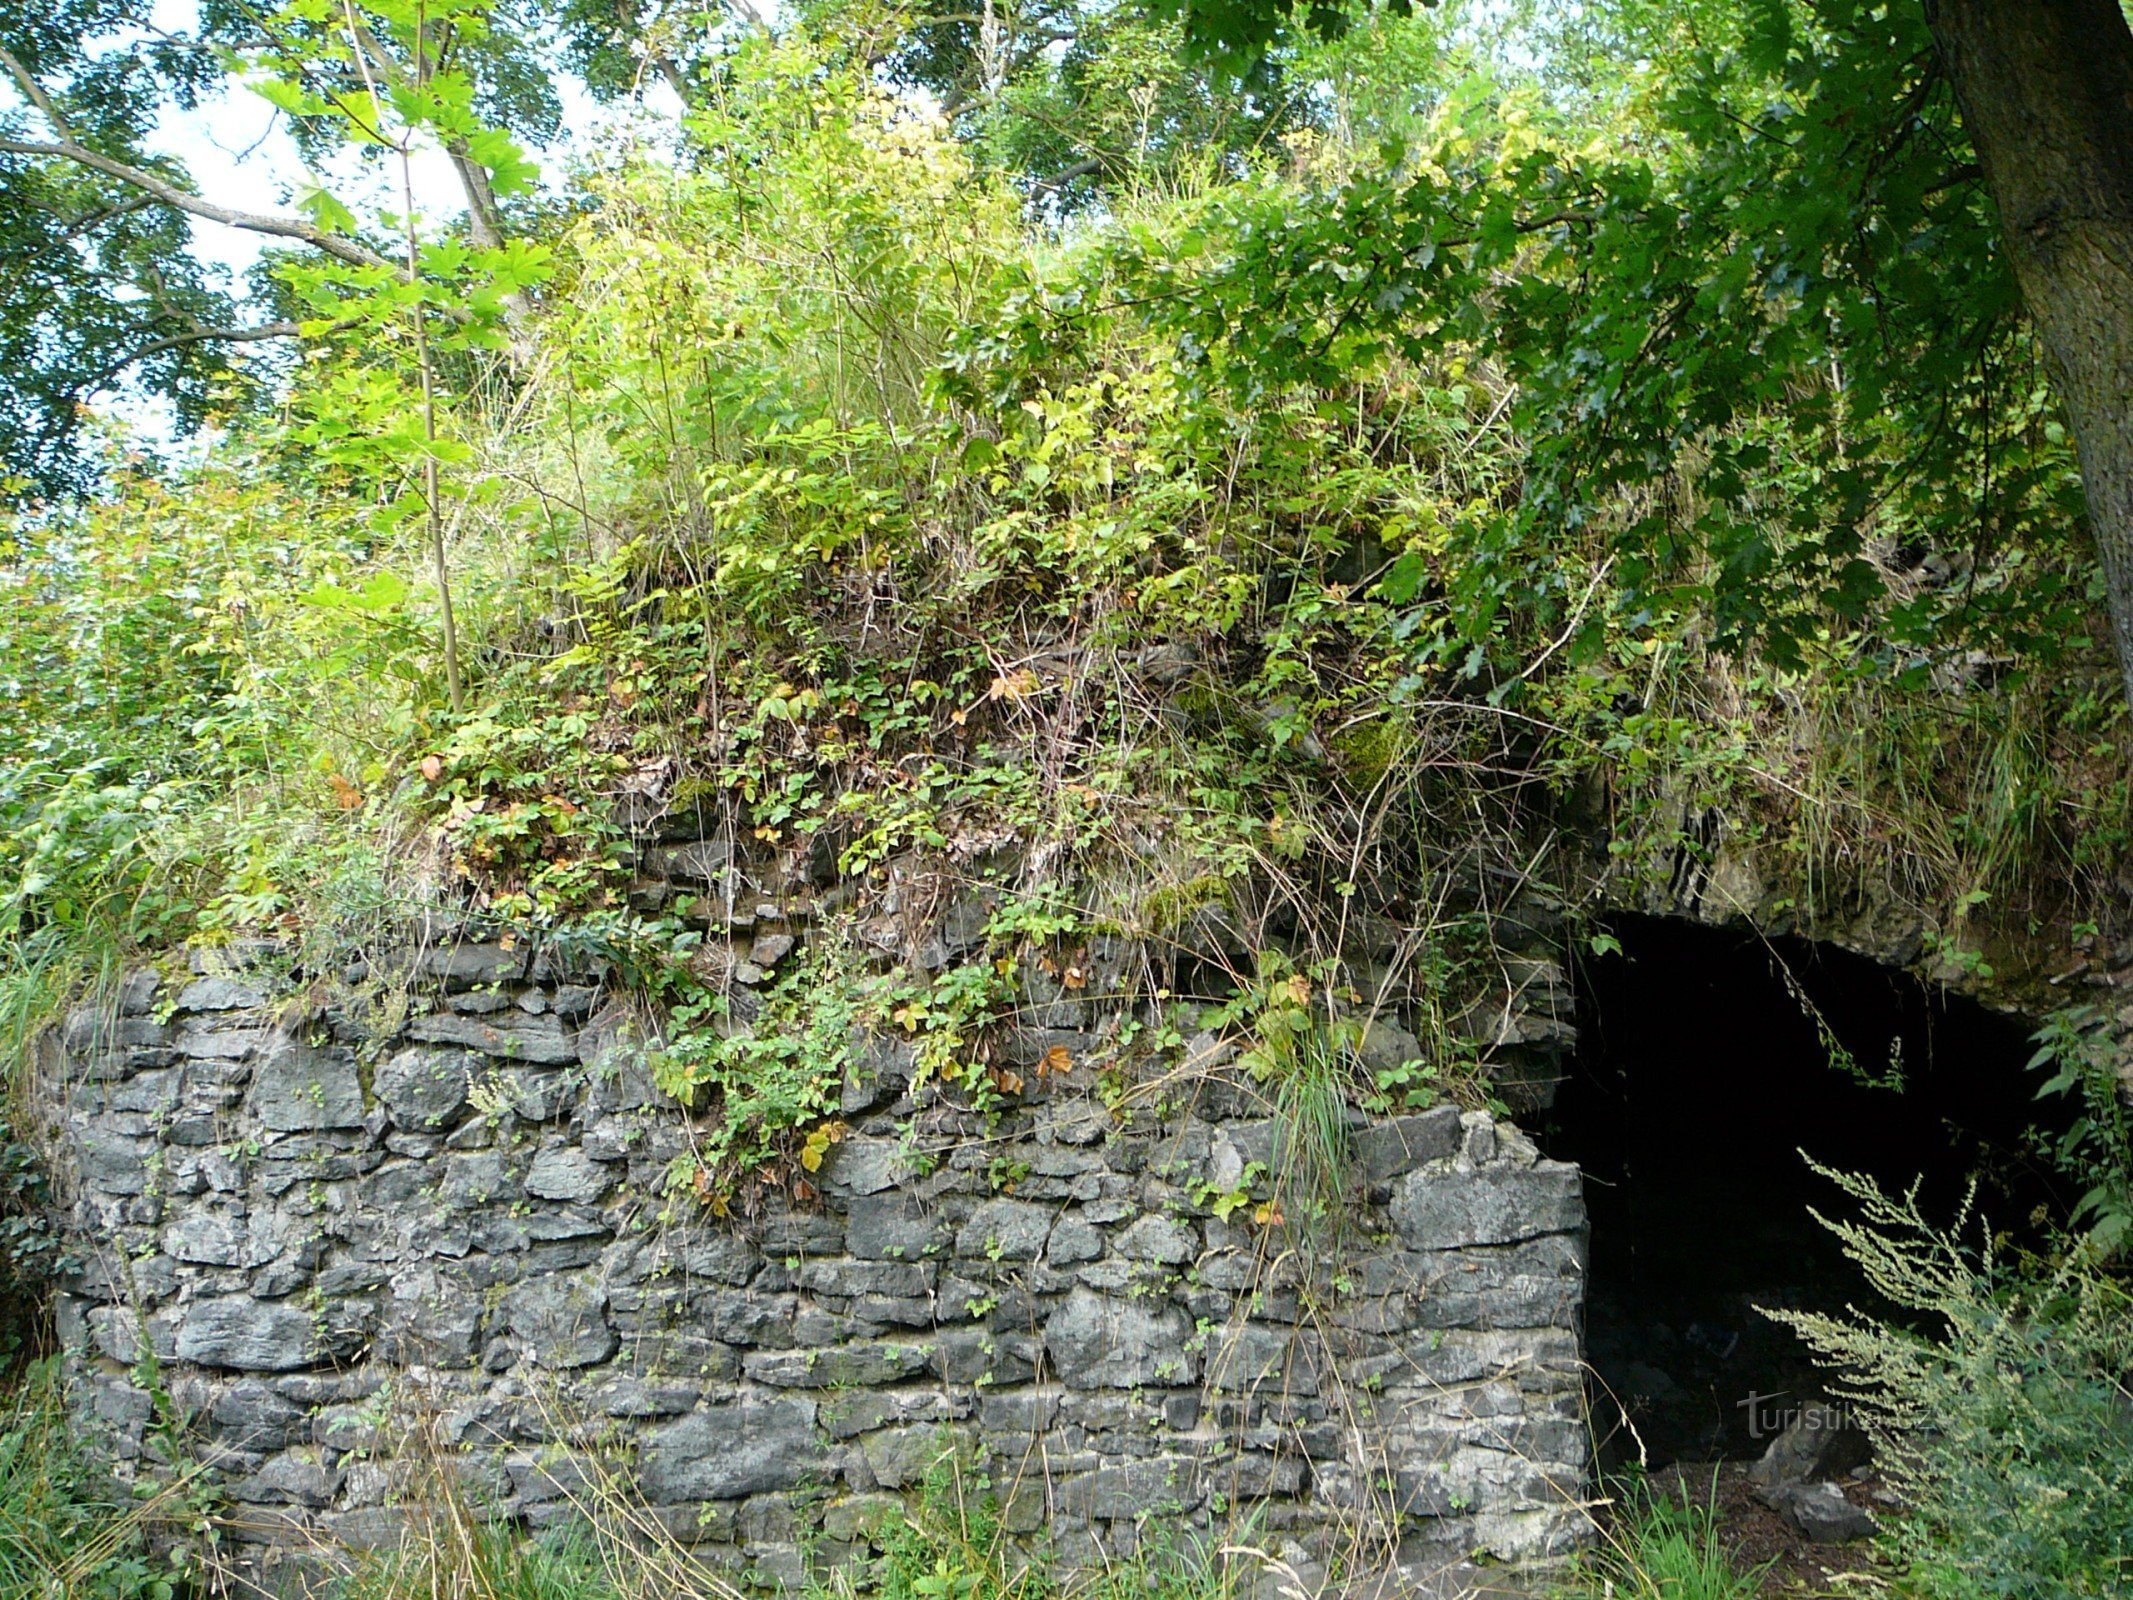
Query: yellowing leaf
[{"x": 1017, "y": 685}]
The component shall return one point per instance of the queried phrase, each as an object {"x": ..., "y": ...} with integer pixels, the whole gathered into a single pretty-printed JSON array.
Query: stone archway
[{"x": 1704, "y": 1067}]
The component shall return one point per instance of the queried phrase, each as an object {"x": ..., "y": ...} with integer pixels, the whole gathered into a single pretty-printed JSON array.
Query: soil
[{"x": 1799, "y": 1569}]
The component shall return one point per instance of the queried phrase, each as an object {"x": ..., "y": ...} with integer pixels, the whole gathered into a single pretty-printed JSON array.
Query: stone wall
[{"x": 352, "y": 1244}]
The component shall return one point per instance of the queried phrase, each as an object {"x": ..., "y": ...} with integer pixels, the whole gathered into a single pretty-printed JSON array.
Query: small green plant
[
  {"x": 2074, "y": 1047},
  {"x": 491, "y": 1561},
  {"x": 1302, "y": 1057},
  {"x": 951, "y": 1546},
  {"x": 1656, "y": 1548}
]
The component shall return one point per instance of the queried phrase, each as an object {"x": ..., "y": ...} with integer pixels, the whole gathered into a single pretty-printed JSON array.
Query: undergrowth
[
  {"x": 951, "y": 1545},
  {"x": 1999, "y": 1399},
  {"x": 65, "y": 1529},
  {"x": 1650, "y": 1547}
]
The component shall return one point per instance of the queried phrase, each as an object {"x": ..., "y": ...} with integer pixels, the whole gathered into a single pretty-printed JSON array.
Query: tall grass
[
  {"x": 67, "y": 1532},
  {"x": 484, "y": 1560},
  {"x": 1661, "y": 1549},
  {"x": 951, "y": 1545}
]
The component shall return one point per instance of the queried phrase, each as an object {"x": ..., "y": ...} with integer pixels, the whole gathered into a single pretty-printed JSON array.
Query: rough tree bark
[{"x": 2046, "y": 91}]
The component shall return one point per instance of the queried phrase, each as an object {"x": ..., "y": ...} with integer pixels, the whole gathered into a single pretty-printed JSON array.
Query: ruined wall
[{"x": 339, "y": 1237}]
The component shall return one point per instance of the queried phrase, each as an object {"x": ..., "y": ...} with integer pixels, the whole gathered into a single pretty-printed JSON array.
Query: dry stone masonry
[{"x": 348, "y": 1241}]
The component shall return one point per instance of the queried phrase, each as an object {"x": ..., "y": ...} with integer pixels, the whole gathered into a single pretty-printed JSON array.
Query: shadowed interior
[{"x": 1708, "y": 1061}]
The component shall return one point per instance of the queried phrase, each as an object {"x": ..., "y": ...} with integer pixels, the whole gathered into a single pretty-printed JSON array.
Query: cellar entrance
[{"x": 1708, "y": 1060}]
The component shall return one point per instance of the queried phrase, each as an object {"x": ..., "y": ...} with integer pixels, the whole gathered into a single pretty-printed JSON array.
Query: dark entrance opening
[{"x": 1707, "y": 1061}]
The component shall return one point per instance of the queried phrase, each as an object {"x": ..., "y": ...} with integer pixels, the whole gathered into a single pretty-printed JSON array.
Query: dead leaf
[
  {"x": 1056, "y": 1061},
  {"x": 1017, "y": 685},
  {"x": 433, "y": 767},
  {"x": 345, "y": 794}
]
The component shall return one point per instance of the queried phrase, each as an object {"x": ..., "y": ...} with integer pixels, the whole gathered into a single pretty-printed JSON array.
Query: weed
[
  {"x": 1999, "y": 1401},
  {"x": 65, "y": 1528},
  {"x": 1654, "y": 1548}
]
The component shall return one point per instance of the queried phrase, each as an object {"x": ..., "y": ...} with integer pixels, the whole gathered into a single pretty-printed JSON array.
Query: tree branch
[
  {"x": 37, "y": 97},
  {"x": 67, "y": 148},
  {"x": 175, "y": 341},
  {"x": 1066, "y": 175}
]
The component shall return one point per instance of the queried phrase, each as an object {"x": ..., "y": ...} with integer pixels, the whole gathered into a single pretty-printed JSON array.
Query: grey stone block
[
  {"x": 1005, "y": 1230},
  {"x": 424, "y": 1088},
  {"x": 890, "y": 1227},
  {"x": 1387, "y": 1149},
  {"x": 205, "y": 1239},
  {"x": 562, "y": 1321},
  {"x": 1157, "y": 1487},
  {"x": 250, "y": 1416},
  {"x": 289, "y": 1480},
  {"x": 866, "y": 1166},
  {"x": 299, "y": 1088},
  {"x": 736, "y": 1448},
  {"x": 568, "y": 1174},
  {"x": 890, "y": 1279},
  {"x": 851, "y": 1366},
  {"x": 111, "y": 1163},
  {"x": 220, "y": 994},
  {"x": 900, "y": 1458},
  {"x": 1489, "y": 1205},
  {"x": 1073, "y": 1240},
  {"x": 1094, "y": 1341},
  {"x": 137, "y": 991},
  {"x": 542, "y": 1041},
  {"x": 463, "y": 966},
  {"x": 641, "y": 1398},
  {"x": 249, "y": 1335},
  {"x": 1158, "y": 1239}
]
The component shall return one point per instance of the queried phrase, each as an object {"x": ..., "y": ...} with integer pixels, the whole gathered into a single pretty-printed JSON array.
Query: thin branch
[
  {"x": 68, "y": 148},
  {"x": 1066, "y": 175},
  {"x": 174, "y": 341},
  {"x": 171, "y": 195}
]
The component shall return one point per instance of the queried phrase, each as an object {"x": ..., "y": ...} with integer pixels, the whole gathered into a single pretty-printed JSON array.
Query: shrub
[{"x": 2000, "y": 1399}]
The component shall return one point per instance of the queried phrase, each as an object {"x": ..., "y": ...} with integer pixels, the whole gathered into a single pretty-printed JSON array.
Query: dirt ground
[{"x": 1801, "y": 1569}]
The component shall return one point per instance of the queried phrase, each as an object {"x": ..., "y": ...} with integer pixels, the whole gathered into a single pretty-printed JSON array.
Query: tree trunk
[{"x": 2046, "y": 90}]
